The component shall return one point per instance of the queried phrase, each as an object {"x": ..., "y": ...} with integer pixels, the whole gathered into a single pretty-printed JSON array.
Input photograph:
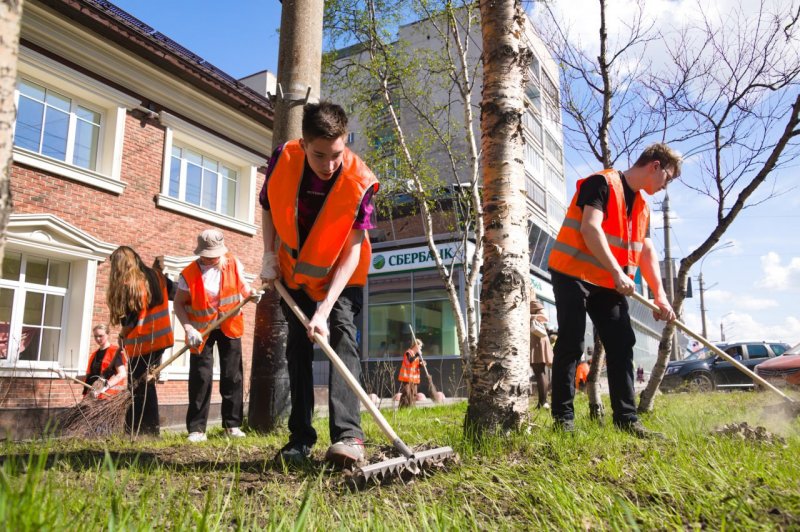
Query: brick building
[{"x": 123, "y": 137}]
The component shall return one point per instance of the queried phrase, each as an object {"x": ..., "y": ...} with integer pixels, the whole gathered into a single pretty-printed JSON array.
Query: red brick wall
[{"x": 131, "y": 219}]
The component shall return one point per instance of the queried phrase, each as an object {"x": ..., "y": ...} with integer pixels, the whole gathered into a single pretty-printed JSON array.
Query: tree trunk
[
  {"x": 10, "y": 19},
  {"x": 299, "y": 67},
  {"x": 596, "y": 409},
  {"x": 499, "y": 396}
]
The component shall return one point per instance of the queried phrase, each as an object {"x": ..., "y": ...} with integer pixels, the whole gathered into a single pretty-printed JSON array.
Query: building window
[
  {"x": 553, "y": 149},
  {"x": 68, "y": 123},
  {"x": 417, "y": 298},
  {"x": 533, "y": 162},
  {"x": 56, "y": 126},
  {"x": 534, "y": 125},
  {"x": 203, "y": 181},
  {"x": 32, "y": 302},
  {"x": 207, "y": 177}
]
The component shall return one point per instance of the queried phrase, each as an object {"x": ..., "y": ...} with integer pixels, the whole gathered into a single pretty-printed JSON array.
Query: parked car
[
  {"x": 783, "y": 370},
  {"x": 705, "y": 373}
]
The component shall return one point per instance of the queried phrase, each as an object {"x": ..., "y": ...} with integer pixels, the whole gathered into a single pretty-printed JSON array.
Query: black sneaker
[
  {"x": 293, "y": 454},
  {"x": 564, "y": 425},
  {"x": 636, "y": 428},
  {"x": 346, "y": 452}
]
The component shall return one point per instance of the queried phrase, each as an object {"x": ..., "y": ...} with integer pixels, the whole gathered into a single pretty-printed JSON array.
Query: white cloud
[
  {"x": 777, "y": 276},
  {"x": 741, "y": 301},
  {"x": 741, "y": 326}
]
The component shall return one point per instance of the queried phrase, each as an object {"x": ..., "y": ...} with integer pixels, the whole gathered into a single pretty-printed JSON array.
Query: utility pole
[
  {"x": 669, "y": 273},
  {"x": 702, "y": 303},
  {"x": 299, "y": 73}
]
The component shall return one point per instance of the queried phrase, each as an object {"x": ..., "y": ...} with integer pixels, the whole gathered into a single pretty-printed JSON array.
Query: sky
[{"x": 753, "y": 284}]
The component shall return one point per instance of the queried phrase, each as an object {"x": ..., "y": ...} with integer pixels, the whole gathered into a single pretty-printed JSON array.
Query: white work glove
[
  {"x": 60, "y": 373},
  {"x": 99, "y": 387},
  {"x": 193, "y": 336},
  {"x": 269, "y": 266},
  {"x": 256, "y": 295}
]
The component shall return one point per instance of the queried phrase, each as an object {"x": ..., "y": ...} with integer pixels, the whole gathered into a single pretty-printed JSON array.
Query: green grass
[{"x": 533, "y": 479}]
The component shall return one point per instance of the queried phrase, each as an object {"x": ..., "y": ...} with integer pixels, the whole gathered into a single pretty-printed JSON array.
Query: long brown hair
[{"x": 128, "y": 286}]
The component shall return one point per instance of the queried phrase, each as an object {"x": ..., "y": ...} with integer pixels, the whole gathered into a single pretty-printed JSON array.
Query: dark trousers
[
  {"x": 608, "y": 310},
  {"x": 201, "y": 377},
  {"x": 344, "y": 419},
  {"x": 142, "y": 416},
  {"x": 539, "y": 375}
]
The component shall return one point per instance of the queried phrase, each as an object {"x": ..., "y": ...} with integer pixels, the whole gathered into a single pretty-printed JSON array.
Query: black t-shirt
[
  {"x": 594, "y": 193},
  {"x": 94, "y": 371}
]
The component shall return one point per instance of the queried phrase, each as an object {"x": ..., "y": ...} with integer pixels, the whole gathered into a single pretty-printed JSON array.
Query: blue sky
[{"x": 753, "y": 285}]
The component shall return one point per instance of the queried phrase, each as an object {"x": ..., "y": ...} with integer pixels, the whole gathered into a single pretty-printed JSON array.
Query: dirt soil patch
[{"x": 744, "y": 431}]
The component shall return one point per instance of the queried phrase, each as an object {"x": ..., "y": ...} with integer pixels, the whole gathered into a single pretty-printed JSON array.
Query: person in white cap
[{"x": 207, "y": 288}]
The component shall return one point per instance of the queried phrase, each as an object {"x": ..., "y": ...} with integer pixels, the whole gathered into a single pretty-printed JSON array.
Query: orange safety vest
[
  {"x": 581, "y": 374},
  {"x": 311, "y": 268},
  {"x": 625, "y": 236},
  {"x": 201, "y": 313},
  {"x": 109, "y": 356},
  {"x": 409, "y": 371},
  {"x": 153, "y": 330}
]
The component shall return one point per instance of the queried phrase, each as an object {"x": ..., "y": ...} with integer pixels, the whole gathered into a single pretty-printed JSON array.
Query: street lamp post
[{"x": 726, "y": 245}]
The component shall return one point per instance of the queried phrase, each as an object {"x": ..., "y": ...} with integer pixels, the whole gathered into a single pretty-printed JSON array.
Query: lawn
[{"x": 535, "y": 479}]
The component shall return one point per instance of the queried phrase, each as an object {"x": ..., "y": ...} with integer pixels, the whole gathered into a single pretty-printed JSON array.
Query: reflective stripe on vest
[
  {"x": 200, "y": 311},
  {"x": 625, "y": 235},
  {"x": 111, "y": 352},
  {"x": 409, "y": 371},
  {"x": 153, "y": 330},
  {"x": 311, "y": 268}
]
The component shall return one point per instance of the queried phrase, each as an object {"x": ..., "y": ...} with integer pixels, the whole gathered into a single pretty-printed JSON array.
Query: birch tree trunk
[
  {"x": 10, "y": 19},
  {"x": 498, "y": 398}
]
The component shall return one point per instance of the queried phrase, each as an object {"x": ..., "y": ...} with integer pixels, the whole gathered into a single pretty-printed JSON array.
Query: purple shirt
[{"x": 313, "y": 192}]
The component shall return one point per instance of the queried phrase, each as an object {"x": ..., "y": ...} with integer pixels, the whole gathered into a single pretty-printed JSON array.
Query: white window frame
[
  {"x": 46, "y": 235},
  {"x": 21, "y": 287},
  {"x": 110, "y": 103},
  {"x": 186, "y": 135}
]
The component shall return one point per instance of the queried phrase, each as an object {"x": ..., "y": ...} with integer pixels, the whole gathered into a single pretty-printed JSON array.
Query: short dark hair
[
  {"x": 662, "y": 153},
  {"x": 323, "y": 120}
]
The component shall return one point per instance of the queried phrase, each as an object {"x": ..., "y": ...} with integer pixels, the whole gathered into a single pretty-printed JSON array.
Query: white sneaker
[
  {"x": 235, "y": 432},
  {"x": 197, "y": 437}
]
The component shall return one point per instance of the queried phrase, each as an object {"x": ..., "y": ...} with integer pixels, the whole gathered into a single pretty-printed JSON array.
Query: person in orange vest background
[
  {"x": 582, "y": 374},
  {"x": 602, "y": 241},
  {"x": 138, "y": 300},
  {"x": 318, "y": 199},
  {"x": 209, "y": 287},
  {"x": 409, "y": 374},
  {"x": 106, "y": 371}
]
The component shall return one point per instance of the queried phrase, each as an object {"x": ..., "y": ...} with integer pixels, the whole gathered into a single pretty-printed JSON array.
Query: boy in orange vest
[
  {"x": 409, "y": 374},
  {"x": 602, "y": 241},
  {"x": 317, "y": 199}
]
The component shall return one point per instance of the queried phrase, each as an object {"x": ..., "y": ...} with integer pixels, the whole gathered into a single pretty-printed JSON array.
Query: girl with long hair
[{"x": 138, "y": 301}]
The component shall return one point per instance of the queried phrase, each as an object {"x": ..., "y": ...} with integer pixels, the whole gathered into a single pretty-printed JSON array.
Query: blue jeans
[
  {"x": 344, "y": 411},
  {"x": 608, "y": 310}
]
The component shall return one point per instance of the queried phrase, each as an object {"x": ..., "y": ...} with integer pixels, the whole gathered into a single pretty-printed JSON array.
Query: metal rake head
[{"x": 402, "y": 468}]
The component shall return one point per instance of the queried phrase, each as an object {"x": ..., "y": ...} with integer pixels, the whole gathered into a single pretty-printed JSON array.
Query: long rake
[
  {"x": 103, "y": 417},
  {"x": 717, "y": 351},
  {"x": 410, "y": 462}
]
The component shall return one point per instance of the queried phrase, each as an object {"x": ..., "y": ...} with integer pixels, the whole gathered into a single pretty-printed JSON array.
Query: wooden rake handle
[
  {"x": 73, "y": 379},
  {"x": 153, "y": 374},
  {"x": 351, "y": 381},
  {"x": 717, "y": 351}
]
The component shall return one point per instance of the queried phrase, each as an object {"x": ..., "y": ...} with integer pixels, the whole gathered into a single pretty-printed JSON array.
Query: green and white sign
[{"x": 419, "y": 258}]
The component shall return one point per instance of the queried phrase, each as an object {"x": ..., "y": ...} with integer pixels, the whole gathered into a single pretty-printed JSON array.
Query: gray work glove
[
  {"x": 269, "y": 266},
  {"x": 193, "y": 336}
]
